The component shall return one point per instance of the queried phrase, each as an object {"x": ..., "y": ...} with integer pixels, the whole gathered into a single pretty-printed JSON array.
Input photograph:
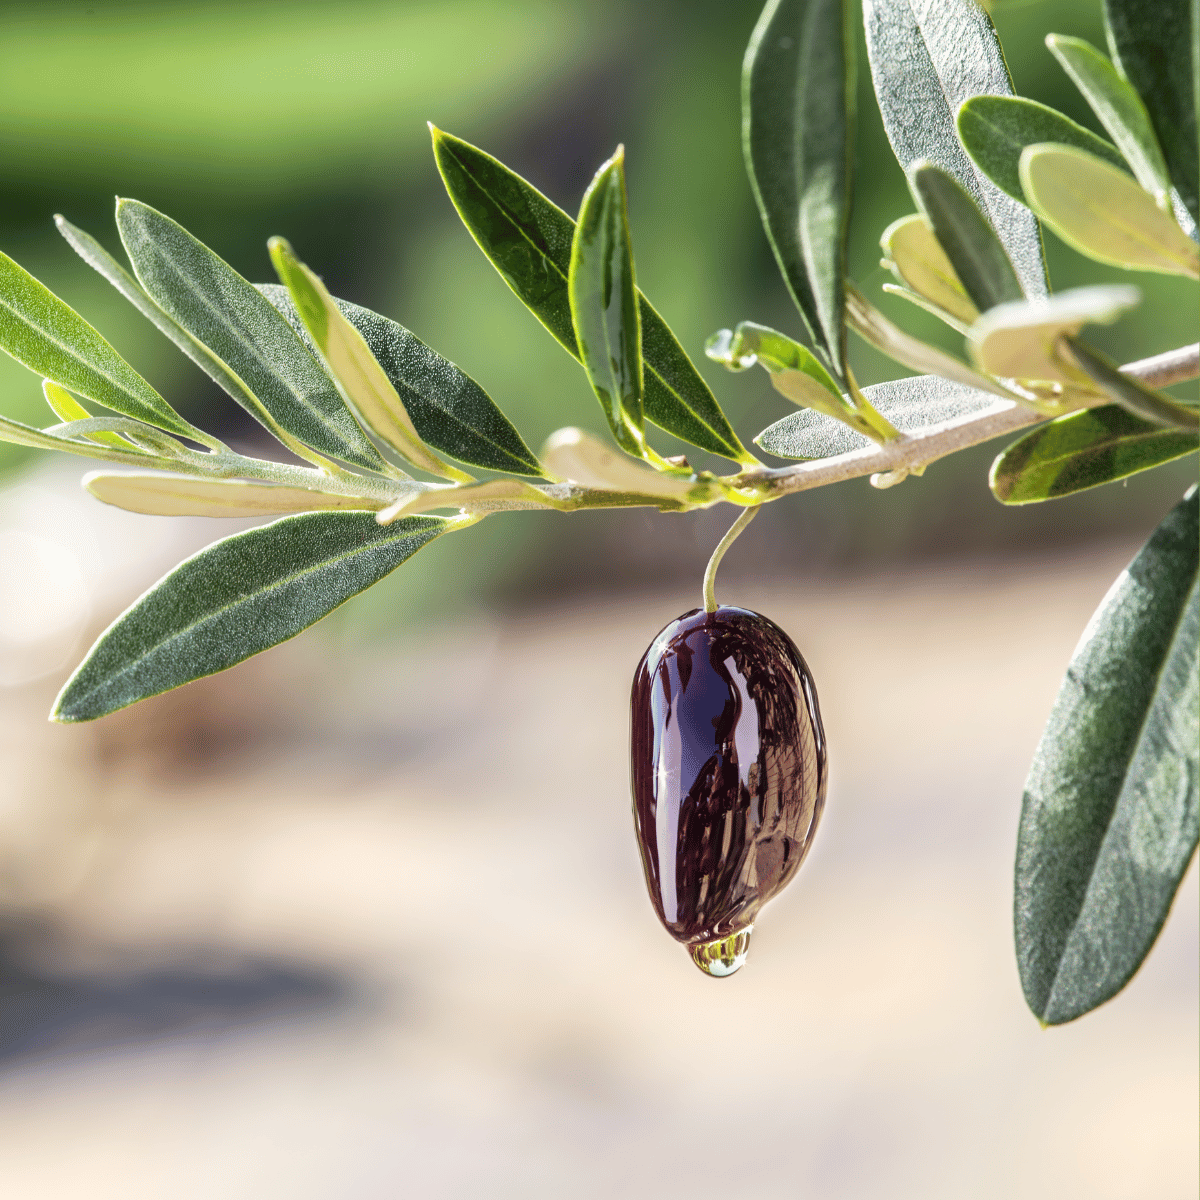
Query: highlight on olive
[{"x": 728, "y": 769}]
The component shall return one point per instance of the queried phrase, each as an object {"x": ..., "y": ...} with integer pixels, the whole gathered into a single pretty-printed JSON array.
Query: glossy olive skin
[{"x": 728, "y": 769}]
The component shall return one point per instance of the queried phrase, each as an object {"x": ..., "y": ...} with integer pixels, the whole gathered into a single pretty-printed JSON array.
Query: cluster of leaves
[{"x": 1110, "y": 814}]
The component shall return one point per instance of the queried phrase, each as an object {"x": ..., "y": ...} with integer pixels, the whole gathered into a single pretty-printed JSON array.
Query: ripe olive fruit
[{"x": 728, "y": 775}]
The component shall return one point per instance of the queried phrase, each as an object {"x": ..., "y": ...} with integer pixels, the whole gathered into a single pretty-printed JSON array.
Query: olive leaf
[
  {"x": 995, "y": 129},
  {"x": 51, "y": 338},
  {"x": 450, "y": 411},
  {"x": 908, "y": 404},
  {"x": 1118, "y": 108},
  {"x": 1101, "y": 212},
  {"x": 264, "y": 365},
  {"x": 798, "y": 110},
  {"x": 1022, "y": 340},
  {"x": 975, "y": 252},
  {"x": 1153, "y": 47},
  {"x": 80, "y": 440},
  {"x": 179, "y": 496},
  {"x": 351, "y": 365},
  {"x": 604, "y": 307},
  {"x": 1154, "y": 406},
  {"x": 921, "y": 76},
  {"x": 797, "y": 374},
  {"x": 234, "y": 599},
  {"x": 916, "y": 258},
  {"x": 1083, "y": 450},
  {"x": 528, "y": 240},
  {"x": 66, "y": 408},
  {"x": 1109, "y": 817}
]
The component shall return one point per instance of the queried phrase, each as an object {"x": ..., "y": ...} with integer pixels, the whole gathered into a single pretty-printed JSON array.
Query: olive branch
[{"x": 391, "y": 434}]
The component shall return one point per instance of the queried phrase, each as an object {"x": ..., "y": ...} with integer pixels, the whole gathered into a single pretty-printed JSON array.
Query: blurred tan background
[{"x": 363, "y": 917}]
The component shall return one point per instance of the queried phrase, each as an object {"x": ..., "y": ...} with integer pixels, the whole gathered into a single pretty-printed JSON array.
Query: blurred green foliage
[{"x": 308, "y": 120}]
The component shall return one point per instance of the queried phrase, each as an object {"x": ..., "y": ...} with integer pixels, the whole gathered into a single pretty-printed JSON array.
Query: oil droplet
[{"x": 722, "y": 956}]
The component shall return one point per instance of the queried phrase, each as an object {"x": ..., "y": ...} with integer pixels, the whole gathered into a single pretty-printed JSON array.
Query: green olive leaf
[
  {"x": 51, "y": 338},
  {"x": 272, "y": 373},
  {"x": 995, "y": 129},
  {"x": 1118, "y": 108},
  {"x": 798, "y": 112},
  {"x": 1154, "y": 47},
  {"x": 604, "y": 307},
  {"x": 234, "y": 599},
  {"x": 922, "y": 73},
  {"x": 450, "y": 411},
  {"x": 1109, "y": 817},
  {"x": 528, "y": 240},
  {"x": 1146, "y": 402},
  {"x": 908, "y": 404},
  {"x": 1083, "y": 450},
  {"x": 1101, "y": 212},
  {"x": 975, "y": 252}
]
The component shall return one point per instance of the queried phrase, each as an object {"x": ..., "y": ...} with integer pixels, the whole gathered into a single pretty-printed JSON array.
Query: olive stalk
[{"x": 710, "y": 574}]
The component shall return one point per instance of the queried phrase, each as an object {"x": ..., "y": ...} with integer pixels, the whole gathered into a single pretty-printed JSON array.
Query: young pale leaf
[
  {"x": 604, "y": 308},
  {"x": 798, "y": 101},
  {"x": 180, "y": 496},
  {"x": 1109, "y": 819},
  {"x": 1153, "y": 406},
  {"x": 970, "y": 243},
  {"x": 871, "y": 325},
  {"x": 1083, "y": 450},
  {"x": 917, "y": 259},
  {"x": 926, "y": 59},
  {"x": 995, "y": 129},
  {"x": 450, "y": 411},
  {"x": 351, "y": 364},
  {"x": 1117, "y": 106},
  {"x": 236, "y": 598},
  {"x": 1104, "y": 214},
  {"x": 795, "y": 373},
  {"x": 47, "y": 336},
  {"x": 574, "y": 454},
  {"x": 909, "y": 404},
  {"x": 273, "y": 375},
  {"x": 66, "y": 408},
  {"x": 1154, "y": 46},
  {"x": 1021, "y": 341},
  {"x": 528, "y": 240}
]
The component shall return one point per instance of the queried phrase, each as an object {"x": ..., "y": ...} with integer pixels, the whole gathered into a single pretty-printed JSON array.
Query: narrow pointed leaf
[
  {"x": 448, "y": 408},
  {"x": 1109, "y": 819},
  {"x": 1104, "y": 214},
  {"x": 604, "y": 308},
  {"x": 970, "y": 243},
  {"x": 18, "y": 434},
  {"x": 909, "y": 404},
  {"x": 995, "y": 129},
  {"x": 180, "y": 496},
  {"x": 916, "y": 258},
  {"x": 234, "y": 599},
  {"x": 871, "y": 325},
  {"x": 67, "y": 408},
  {"x": 350, "y": 363},
  {"x": 528, "y": 240},
  {"x": 926, "y": 59},
  {"x": 1117, "y": 107},
  {"x": 274, "y": 376},
  {"x": 1154, "y": 46},
  {"x": 576, "y": 455},
  {"x": 1146, "y": 402},
  {"x": 1021, "y": 340},
  {"x": 894, "y": 289},
  {"x": 798, "y": 97},
  {"x": 1083, "y": 450},
  {"x": 49, "y": 337}
]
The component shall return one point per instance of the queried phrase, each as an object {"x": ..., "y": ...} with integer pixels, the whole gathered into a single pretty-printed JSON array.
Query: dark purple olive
[{"x": 728, "y": 766}]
